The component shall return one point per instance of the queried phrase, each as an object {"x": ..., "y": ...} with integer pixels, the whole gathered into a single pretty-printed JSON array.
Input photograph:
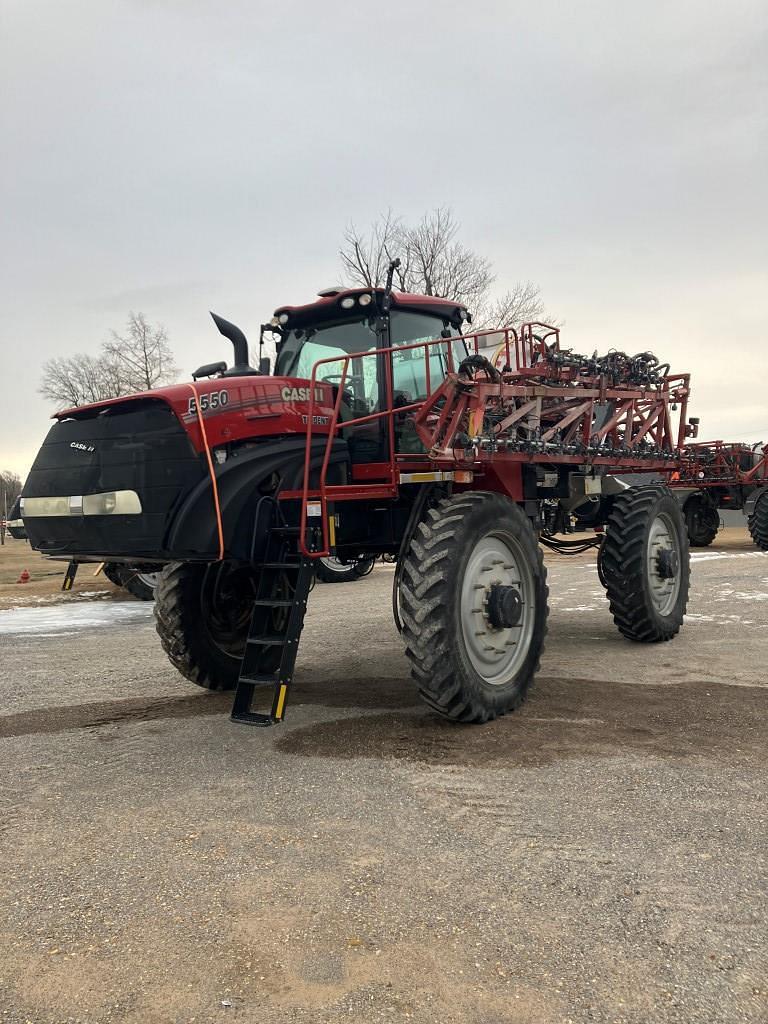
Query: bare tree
[
  {"x": 433, "y": 262},
  {"x": 137, "y": 361},
  {"x": 142, "y": 356},
  {"x": 78, "y": 379},
  {"x": 365, "y": 259},
  {"x": 10, "y": 489},
  {"x": 520, "y": 305}
]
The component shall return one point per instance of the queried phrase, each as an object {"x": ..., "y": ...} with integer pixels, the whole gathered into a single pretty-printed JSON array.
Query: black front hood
[{"x": 139, "y": 446}]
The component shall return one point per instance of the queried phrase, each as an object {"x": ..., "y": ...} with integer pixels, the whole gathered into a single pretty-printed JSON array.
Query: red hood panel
[{"x": 234, "y": 408}]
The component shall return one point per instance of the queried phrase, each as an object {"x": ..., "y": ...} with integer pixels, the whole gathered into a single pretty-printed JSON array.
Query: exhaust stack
[{"x": 239, "y": 341}]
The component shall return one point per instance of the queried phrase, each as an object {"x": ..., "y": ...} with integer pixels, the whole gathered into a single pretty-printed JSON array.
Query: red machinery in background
[{"x": 718, "y": 475}]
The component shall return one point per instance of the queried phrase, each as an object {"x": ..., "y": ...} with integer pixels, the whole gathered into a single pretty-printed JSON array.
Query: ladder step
[
  {"x": 259, "y": 680},
  {"x": 279, "y": 565},
  {"x": 268, "y": 602},
  {"x": 268, "y": 640},
  {"x": 252, "y": 718}
]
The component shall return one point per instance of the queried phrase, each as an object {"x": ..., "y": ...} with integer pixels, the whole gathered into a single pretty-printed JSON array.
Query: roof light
[
  {"x": 283, "y": 318},
  {"x": 365, "y": 300},
  {"x": 347, "y": 302}
]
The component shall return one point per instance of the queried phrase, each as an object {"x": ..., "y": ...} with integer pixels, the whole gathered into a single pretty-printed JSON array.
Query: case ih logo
[
  {"x": 300, "y": 394},
  {"x": 82, "y": 447}
]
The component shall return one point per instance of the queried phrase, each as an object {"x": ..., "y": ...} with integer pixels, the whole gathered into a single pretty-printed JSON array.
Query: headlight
[
  {"x": 119, "y": 503},
  {"x": 44, "y": 507}
]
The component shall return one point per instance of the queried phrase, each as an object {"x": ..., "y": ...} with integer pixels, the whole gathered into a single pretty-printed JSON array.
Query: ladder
[{"x": 284, "y": 581}]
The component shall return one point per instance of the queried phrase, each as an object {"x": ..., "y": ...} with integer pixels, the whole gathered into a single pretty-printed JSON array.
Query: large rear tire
[
  {"x": 758, "y": 522},
  {"x": 702, "y": 521},
  {"x": 473, "y": 604},
  {"x": 645, "y": 561},
  {"x": 202, "y": 615}
]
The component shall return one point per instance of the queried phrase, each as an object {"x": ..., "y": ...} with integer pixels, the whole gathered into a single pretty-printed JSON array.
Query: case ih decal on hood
[{"x": 301, "y": 394}]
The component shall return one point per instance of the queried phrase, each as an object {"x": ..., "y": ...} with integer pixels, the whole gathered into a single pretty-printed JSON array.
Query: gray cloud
[{"x": 179, "y": 156}]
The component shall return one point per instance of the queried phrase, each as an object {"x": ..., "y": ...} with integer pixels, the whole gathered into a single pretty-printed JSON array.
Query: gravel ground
[{"x": 597, "y": 857}]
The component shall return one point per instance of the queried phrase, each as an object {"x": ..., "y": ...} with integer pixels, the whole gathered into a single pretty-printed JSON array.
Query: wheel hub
[
  {"x": 667, "y": 563},
  {"x": 504, "y": 606},
  {"x": 497, "y": 606},
  {"x": 664, "y": 563}
]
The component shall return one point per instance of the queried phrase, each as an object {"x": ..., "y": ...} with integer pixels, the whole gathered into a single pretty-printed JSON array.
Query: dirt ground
[
  {"x": 599, "y": 856},
  {"x": 46, "y": 577}
]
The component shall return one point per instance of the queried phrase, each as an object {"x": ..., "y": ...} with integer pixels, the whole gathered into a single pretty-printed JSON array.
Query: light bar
[{"x": 109, "y": 503}]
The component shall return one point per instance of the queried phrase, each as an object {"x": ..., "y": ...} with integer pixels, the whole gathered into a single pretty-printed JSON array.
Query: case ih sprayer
[
  {"x": 715, "y": 475},
  {"x": 385, "y": 429}
]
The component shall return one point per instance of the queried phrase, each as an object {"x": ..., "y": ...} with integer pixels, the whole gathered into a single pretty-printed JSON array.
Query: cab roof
[{"x": 328, "y": 306}]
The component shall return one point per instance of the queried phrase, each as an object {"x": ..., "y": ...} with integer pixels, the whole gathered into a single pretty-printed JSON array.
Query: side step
[{"x": 273, "y": 637}]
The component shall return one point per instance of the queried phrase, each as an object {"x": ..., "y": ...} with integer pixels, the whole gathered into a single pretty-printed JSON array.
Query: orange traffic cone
[{"x": 24, "y": 578}]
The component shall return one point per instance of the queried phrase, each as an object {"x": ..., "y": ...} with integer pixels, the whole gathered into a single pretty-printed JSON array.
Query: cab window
[{"x": 415, "y": 375}]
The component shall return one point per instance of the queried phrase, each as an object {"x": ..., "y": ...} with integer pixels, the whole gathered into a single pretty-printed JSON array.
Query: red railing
[{"x": 520, "y": 352}]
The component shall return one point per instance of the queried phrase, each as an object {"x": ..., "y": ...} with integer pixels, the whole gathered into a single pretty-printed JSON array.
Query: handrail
[{"x": 507, "y": 332}]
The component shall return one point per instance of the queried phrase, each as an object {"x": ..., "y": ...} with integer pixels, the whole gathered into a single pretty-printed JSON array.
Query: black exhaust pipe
[{"x": 239, "y": 341}]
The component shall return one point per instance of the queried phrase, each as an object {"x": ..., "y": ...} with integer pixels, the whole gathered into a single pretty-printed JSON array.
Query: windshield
[{"x": 304, "y": 347}]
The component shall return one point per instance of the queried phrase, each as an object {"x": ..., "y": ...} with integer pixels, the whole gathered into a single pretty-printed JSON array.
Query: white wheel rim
[
  {"x": 334, "y": 565},
  {"x": 149, "y": 579},
  {"x": 664, "y": 591},
  {"x": 496, "y": 653}
]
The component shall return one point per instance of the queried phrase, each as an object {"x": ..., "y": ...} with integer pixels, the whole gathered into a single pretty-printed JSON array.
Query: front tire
[
  {"x": 758, "y": 522},
  {"x": 645, "y": 561},
  {"x": 202, "y": 615},
  {"x": 473, "y": 603}
]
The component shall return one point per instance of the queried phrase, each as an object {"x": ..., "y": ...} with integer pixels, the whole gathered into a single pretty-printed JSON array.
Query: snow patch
[
  {"x": 716, "y": 555},
  {"x": 68, "y": 619}
]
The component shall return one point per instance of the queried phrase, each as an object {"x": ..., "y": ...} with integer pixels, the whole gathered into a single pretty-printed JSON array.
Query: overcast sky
[{"x": 176, "y": 156}]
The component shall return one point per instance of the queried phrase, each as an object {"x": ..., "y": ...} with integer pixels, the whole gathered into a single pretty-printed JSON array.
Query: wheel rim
[
  {"x": 334, "y": 565},
  {"x": 149, "y": 579},
  {"x": 496, "y": 652},
  {"x": 227, "y": 597},
  {"x": 663, "y": 557}
]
